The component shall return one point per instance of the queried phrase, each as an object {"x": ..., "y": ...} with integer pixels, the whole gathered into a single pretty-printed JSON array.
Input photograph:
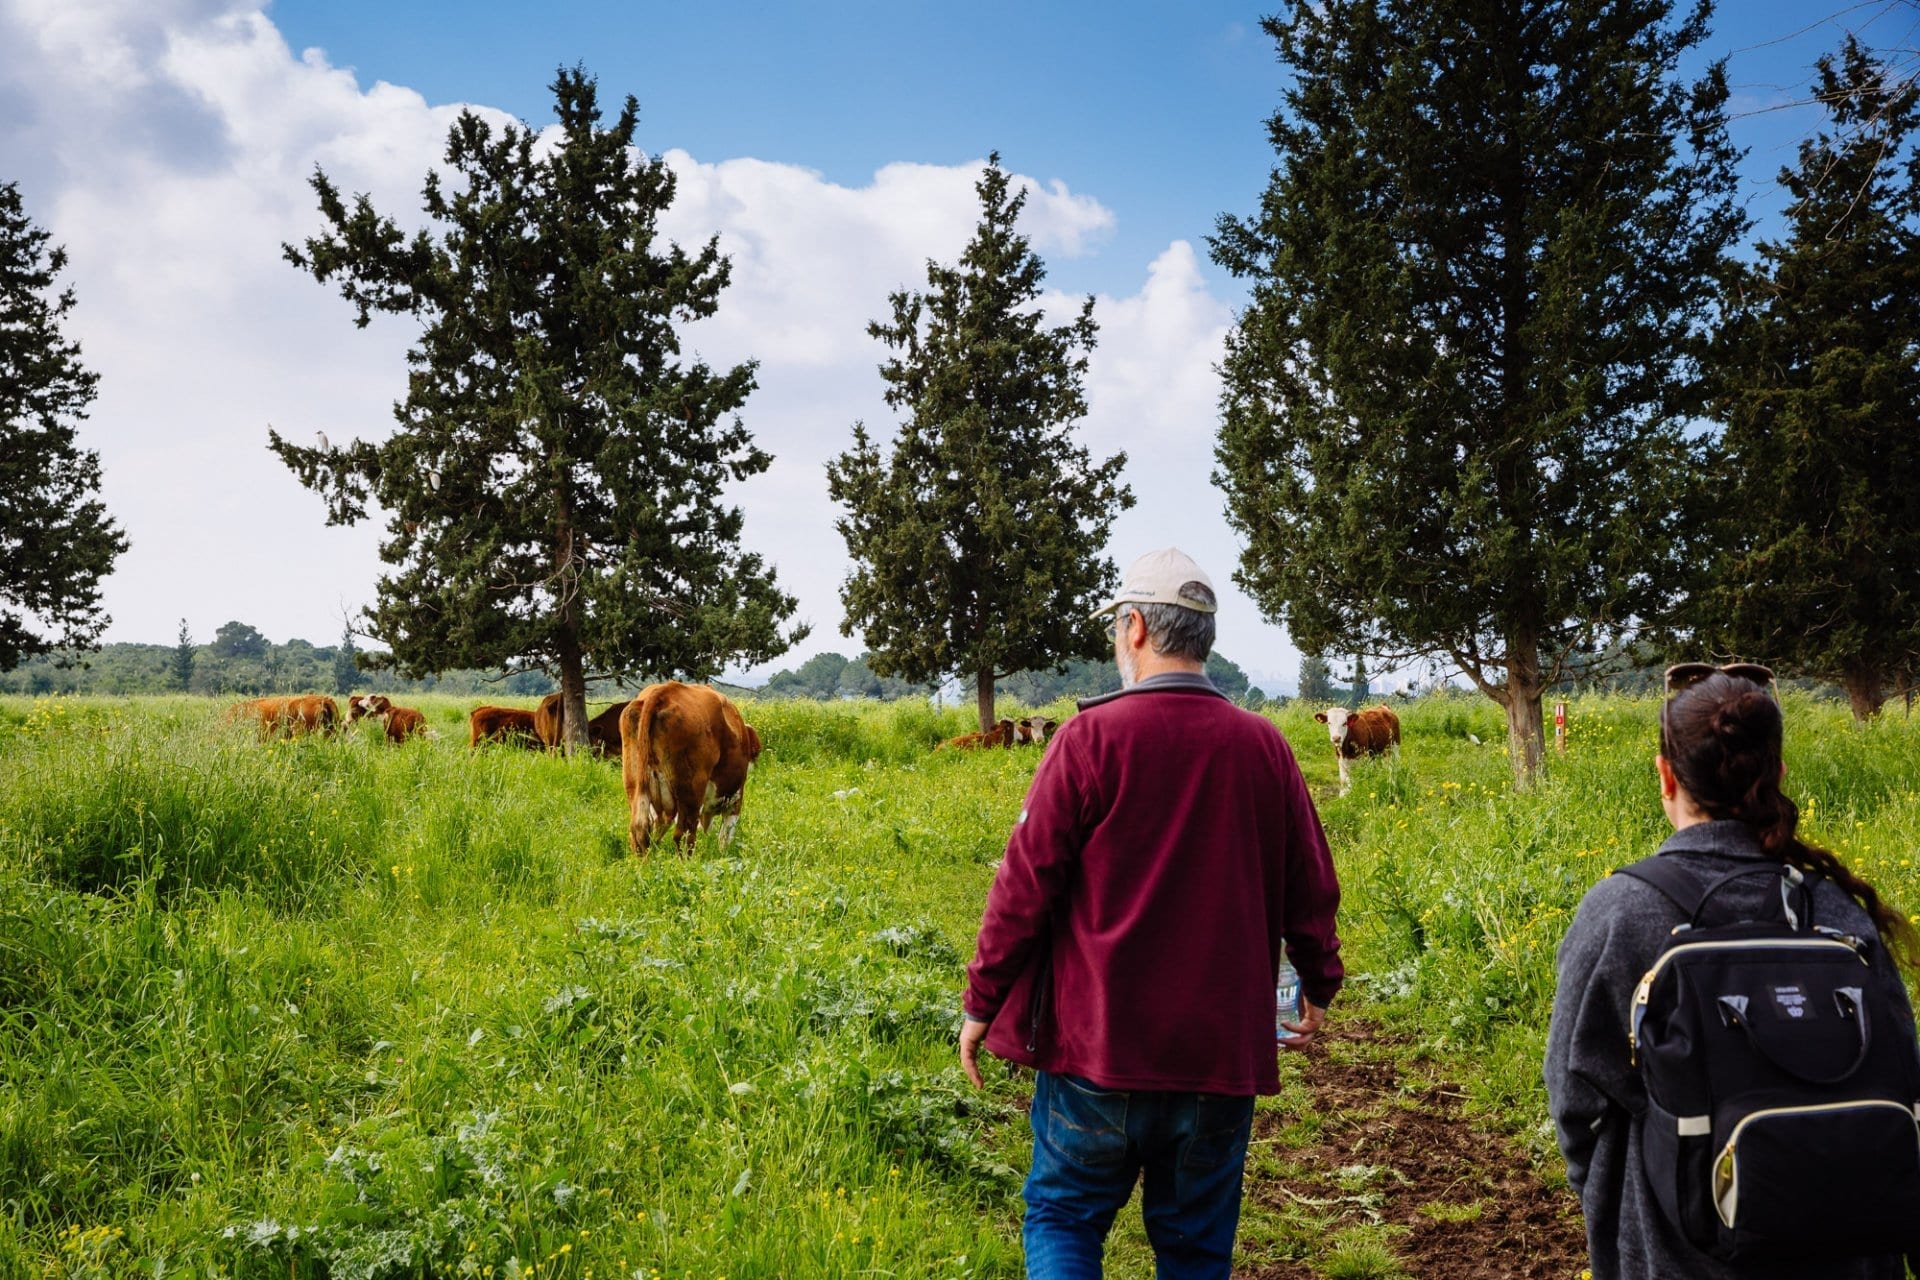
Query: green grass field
[{"x": 332, "y": 1008}]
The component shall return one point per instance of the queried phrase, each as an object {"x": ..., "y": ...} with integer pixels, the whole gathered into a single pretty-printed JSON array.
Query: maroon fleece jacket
[{"x": 1132, "y": 934}]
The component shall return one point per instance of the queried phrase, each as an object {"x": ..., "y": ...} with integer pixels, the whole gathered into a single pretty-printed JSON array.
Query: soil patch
[{"x": 1389, "y": 1157}]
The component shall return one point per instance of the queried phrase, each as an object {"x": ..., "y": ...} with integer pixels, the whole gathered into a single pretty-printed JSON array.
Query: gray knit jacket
[{"x": 1622, "y": 925}]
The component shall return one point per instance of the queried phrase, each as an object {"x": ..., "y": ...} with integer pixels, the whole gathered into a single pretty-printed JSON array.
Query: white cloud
[{"x": 168, "y": 146}]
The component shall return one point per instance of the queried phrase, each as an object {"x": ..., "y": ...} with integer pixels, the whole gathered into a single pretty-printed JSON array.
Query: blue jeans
[{"x": 1090, "y": 1146}]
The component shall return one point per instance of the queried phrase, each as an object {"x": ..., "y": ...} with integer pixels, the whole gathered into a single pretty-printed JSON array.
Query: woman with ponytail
[{"x": 1720, "y": 772}]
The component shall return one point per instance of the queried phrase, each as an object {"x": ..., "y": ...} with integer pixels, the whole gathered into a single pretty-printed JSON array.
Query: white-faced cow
[
  {"x": 1034, "y": 730},
  {"x": 1372, "y": 732}
]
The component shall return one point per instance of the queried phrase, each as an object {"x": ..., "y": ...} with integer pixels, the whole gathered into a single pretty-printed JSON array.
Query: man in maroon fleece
[{"x": 1132, "y": 938}]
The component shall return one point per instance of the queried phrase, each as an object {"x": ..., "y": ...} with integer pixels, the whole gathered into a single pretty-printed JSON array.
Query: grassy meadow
[{"x": 332, "y": 1008}]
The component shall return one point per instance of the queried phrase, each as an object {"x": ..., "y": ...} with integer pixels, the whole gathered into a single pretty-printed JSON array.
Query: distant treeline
[
  {"x": 830, "y": 676},
  {"x": 241, "y": 662}
]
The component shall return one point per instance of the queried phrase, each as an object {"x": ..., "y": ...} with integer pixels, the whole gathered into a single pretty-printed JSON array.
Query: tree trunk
[
  {"x": 983, "y": 696},
  {"x": 573, "y": 698},
  {"x": 1865, "y": 692},
  {"x": 1526, "y": 724}
]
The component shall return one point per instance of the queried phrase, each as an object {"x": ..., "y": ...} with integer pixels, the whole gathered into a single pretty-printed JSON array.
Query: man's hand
[
  {"x": 1312, "y": 1016},
  {"x": 972, "y": 1032}
]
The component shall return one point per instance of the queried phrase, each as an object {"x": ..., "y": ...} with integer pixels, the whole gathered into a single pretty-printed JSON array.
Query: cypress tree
[
  {"x": 977, "y": 537},
  {"x": 346, "y": 667},
  {"x": 183, "y": 659},
  {"x": 1455, "y": 408},
  {"x": 1820, "y": 567},
  {"x": 554, "y": 487},
  {"x": 56, "y": 540}
]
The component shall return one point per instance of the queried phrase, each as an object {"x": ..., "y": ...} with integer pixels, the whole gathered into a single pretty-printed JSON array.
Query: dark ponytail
[{"x": 1722, "y": 738}]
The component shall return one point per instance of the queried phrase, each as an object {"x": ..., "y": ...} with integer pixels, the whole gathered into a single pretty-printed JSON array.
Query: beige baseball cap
[{"x": 1156, "y": 578}]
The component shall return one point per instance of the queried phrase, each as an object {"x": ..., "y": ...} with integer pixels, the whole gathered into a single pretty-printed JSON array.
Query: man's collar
[{"x": 1165, "y": 682}]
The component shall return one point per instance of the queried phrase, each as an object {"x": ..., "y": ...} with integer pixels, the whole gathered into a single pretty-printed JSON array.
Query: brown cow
[
  {"x": 1003, "y": 734},
  {"x": 550, "y": 722},
  {"x": 401, "y": 722},
  {"x": 1372, "y": 732},
  {"x": 501, "y": 724},
  {"x": 603, "y": 732},
  {"x": 685, "y": 753},
  {"x": 289, "y": 717}
]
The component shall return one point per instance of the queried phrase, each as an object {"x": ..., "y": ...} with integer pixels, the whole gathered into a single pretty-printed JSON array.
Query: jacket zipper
[
  {"x": 1726, "y": 1182},
  {"x": 1644, "y": 992}
]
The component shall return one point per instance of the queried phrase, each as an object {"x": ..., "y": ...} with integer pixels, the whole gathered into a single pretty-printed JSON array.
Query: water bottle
[{"x": 1286, "y": 999}]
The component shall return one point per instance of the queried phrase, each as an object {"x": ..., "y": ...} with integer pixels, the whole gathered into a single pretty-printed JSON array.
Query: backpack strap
[{"x": 1685, "y": 891}]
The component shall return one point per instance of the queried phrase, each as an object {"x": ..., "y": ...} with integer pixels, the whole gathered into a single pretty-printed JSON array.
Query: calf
[
  {"x": 501, "y": 724},
  {"x": 1001, "y": 735},
  {"x": 1372, "y": 732},
  {"x": 685, "y": 753}
]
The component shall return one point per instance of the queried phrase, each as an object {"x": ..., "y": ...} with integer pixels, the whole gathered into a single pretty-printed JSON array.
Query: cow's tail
[{"x": 636, "y": 763}]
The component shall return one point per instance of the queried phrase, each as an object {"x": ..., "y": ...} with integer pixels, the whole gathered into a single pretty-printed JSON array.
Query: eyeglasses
[
  {"x": 1684, "y": 675},
  {"x": 1114, "y": 623}
]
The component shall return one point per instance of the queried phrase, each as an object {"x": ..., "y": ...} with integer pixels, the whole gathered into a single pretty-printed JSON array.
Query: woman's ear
[{"x": 1669, "y": 785}]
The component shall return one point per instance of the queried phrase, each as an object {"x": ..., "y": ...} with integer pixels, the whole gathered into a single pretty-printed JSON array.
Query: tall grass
[{"x": 333, "y": 1008}]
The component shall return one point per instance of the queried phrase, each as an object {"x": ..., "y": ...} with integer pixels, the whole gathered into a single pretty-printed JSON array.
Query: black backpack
[{"x": 1783, "y": 1086}]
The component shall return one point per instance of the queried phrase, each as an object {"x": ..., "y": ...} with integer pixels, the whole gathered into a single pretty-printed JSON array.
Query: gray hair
[{"x": 1179, "y": 632}]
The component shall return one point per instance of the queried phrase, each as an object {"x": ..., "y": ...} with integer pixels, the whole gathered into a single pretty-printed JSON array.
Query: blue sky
[
  {"x": 831, "y": 147},
  {"x": 1155, "y": 107}
]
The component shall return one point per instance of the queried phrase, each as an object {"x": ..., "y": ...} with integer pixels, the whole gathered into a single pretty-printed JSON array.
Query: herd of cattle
[
  {"x": 685, "y": 751},
  {"x": 1033, "y": 730}
]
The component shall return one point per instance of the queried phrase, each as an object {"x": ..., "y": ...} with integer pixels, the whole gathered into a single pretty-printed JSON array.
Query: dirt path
[{"x": 1373, "y": 1171}]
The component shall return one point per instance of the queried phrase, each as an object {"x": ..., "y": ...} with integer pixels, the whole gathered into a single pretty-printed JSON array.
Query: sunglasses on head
[{"x": 1684, "y": 675}]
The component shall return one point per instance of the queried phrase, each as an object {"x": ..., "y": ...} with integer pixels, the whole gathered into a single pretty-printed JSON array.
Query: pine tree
[
  {"x": 346, "y": 667},
  {"x": 1455, "y": 410},
  {"x": 976, "y": 539},
  {"x": 554, "y": 489},
  {"x": 56, "y": 540},
  {"x": 1362, "y": 687},
  {"x": 183, "y": 659},
  {"x": 1820, "y": 570}
]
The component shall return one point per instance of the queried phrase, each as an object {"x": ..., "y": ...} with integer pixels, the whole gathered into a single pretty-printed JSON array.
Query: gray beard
[{"x": 1129, "y": 673}]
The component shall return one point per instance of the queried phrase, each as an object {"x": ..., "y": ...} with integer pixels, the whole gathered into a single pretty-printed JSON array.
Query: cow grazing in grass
[
  {"x": 1003, "y": 734},
  {"x": 289, "y": 717},
  {"x": 501, "y": 724},
  {"x": 603, "y": 732},
  {"x": 550, "y": 722},
  {"x": 1372, "y": 732},
  {"x": 400, "y": 723},
  {"x": 685, "y": 753}
]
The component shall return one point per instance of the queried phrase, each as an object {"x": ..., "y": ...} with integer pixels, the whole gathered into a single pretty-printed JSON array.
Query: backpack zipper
[
  {"x": 1726, "y": 1184},
  {"x": 1644, "y": 992}
]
